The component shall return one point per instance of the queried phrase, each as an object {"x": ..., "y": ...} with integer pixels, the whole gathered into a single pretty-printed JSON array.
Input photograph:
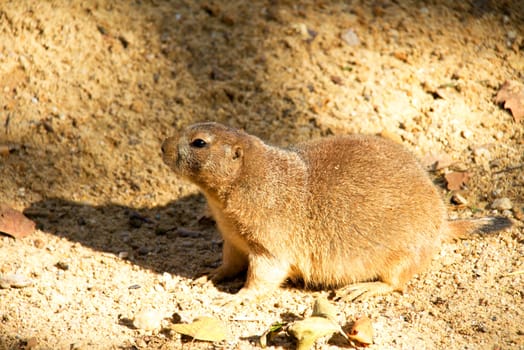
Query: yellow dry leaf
[
  {"x": 203, "y": 328},
  {"x": 310, "y": 329},
  {"x": 323, "y": 308},
  {"x": 362, "y": 331}
]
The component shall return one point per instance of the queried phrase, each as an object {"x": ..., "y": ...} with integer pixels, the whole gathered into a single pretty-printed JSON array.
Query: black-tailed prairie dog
[{"x": 355, "y": 211}]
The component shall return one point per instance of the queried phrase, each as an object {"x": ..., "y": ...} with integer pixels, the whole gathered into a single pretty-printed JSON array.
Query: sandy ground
[{"x": 89, "y": 89}]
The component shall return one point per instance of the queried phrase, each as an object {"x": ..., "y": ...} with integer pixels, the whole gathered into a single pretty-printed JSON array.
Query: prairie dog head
[{"x": 208, "y": 154}]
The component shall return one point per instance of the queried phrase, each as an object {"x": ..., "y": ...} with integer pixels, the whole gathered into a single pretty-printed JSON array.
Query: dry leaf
[
  {"x": 362, "y": 331},
  {"x": 512, "y": 95},
  {"x": 203, "y": 328},
  {"x": 456, "y": 180},
  {"x": 310, "y": 329},
  {"x": 437, "y": 161},
  {"x": 323, "y": 308},
  {"x": 14, "y": 223}
]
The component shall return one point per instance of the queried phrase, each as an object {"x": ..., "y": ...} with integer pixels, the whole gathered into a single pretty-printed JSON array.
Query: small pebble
[
  {"x": 147, "y": 319},
  {"x": 167, "y": 281},
  {"x": 125, "y": 236},
  {"x": 141, "y": 343},
  {"x": 24, "y": 62},
  {"x": 502, "y": 204},
  {"x": 301, "y": 29},
  {"x": 459, "y": 199},
  {"x": 466, "y": 134},
  {"x": 182, "y": 232},
  {"x": 350, "y": 37},
  {"x": 518, "y": 212},
  {"x": 482, "y": 152},
  {"x": 62, "y": 265},
  {"x": 143, "y": 251},
  {"x": 481, "y": 327},
  {"x": 39, "y": 243},
  {"x": 15, "y": 280},
  {"x": 160, "y": 231},
  {"x": 498, "y": 135},
  {"x": 391, "y": 136}
]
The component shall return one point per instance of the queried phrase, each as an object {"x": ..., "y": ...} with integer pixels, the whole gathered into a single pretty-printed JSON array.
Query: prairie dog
[{"x": 346, "y": 210}]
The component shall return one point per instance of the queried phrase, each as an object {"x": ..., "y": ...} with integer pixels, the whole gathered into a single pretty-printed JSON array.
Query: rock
[
  {"x": 482, "y": 152},
  {"x": 143, "y": 250},
  {"x": 15, "y": 280},
  {"x": 391, "y": 136},
  {"x": 137, "y": 106},
  {"x": 24, "y": 62},
  {"x": 401, "y": 55},
  {"x": 39, "y": 243},
  {"x": 350, "y": 37},
  {"x": 502, "y": 204},
  {"x": 511, "y": 35},
  {"x": 167, "y": 281},
  {"x": 183, "y": 232},
  {"x": 123, "y": 255},
  {"x": 136, "y": 220},
  {"x": 337, "y": 80},
  {"x": 147, "y": 319},
  {"x": 518, "y": 212},
  {"x": 466, "y": 134},
  {"x": 62, "y": 265},
  {"x": 459, "y": 199},
  {"x": 31, "y": 343},
  {"x": 301, "y": 28},
  {"x": 141, "y": 343}
]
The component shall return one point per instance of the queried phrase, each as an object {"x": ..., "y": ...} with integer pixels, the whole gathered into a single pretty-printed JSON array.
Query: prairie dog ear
[{"x": 238, "y": 152}]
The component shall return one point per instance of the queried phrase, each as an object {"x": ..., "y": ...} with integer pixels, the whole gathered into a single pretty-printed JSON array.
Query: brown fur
[{"x": 331, "y": 212}]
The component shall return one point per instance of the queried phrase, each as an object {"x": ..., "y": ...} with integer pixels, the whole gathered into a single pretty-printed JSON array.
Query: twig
[
  {"x": 508, "y": 169},
  {"x": 514, "y": 273}
]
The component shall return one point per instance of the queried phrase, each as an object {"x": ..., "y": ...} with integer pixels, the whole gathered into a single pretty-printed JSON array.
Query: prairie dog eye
[{"x": 198, "y": 143}]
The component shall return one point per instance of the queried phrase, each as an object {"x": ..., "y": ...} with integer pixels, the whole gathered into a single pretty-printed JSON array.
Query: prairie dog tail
[{"x": 464, "y": 228}]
